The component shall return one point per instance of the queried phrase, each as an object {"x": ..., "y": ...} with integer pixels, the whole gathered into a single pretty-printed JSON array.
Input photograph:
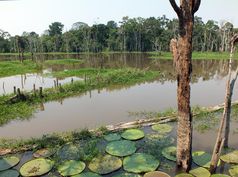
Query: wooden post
[
  {"x": 55, "y": 84},
  {"x": 85, "y": 78},
  {"x": 14, "y": 90},
  {"x": 18, "y": 92},
  {"x": 41, "y": 92},
  {"x": 34, "y": 89},
  {"x": 3, "y": 87},
  {"x": 72, "y": 80}
]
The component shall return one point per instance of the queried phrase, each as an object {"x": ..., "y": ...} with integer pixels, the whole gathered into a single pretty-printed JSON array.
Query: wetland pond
[{"x": 112, "y": 105}]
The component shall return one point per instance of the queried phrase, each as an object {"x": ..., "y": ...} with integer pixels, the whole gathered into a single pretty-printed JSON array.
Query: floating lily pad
[
  {"x": 43, "y": 153},
  {"x": 231, "y": 157},
  {"x": 140, "y": 162},
  {"x": 202, "y": 159},
  {"x": 105, "y": 164},
  {"x": 200, "y": 172},
  {"x": 121, "y": 148},
  {"x": 234, "y": 171},
  {"x": 156, "y": 174},
  {"x": 8, "y": 162},
  {"x": 155, "y": 136},
  {"x": 127, "y": 175},
  {"x": 68, "y": 152},
  {"x": 112, "y": 137},
  {"x": 162, "y": 128},
  {"x": 170, "y": 153},
  {"x": 36, "y": 167},
  {"x": 220, "y": 175},
  {"x": 71, "y": 167},
  {"x": 87, "y": 174},
  {"x": 9, "y": 173},
  {"x": 184, "y": 175},
  {"x": 133, "y": 134}
]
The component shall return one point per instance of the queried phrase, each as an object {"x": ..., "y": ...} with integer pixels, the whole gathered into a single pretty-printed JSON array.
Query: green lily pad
[
  {"x": 234, "y": 171},
  {"x": 133, "y": 134},
  {"x": 156, "y": 174},
  {"x": 87, "y": 174},
  {"x": 127, "y": 175},
  {"x": 71, "y": 167},
  {"x": 162, "y": 128},
  {"x": 9, "y": 173},
  {"x": 140, "y": 162},
  {"x": 155, "y": 136},
  {"x": 36, "y": 167},
  {"x": 121, "y": 148},
  {"x": 105, "y": 164},
  {"x": 184, "y": 175},
  {"x": 8, "y": 162},
  {"x": 112, "y": 137},
  {"x": 220, "y": 175},
  {"x": 68, "y": 152},
  {"x": 170, "y": 153},
  {"x": 202, "y": 159},
  {"x": 231, "y": 157},
  {"x": 43, "y": 153},
  {"x": 200, "y": 172}
]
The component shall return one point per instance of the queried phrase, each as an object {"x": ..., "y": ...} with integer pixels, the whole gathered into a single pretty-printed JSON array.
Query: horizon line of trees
[{"x": 130, "y": 34}]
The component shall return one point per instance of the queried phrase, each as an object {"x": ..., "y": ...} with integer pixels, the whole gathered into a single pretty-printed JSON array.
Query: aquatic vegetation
[
  {"x": 43, "y": 153},
  {"x": 63, "y": 62},
  {"x": 112, "y": 137},
  {"x": 9, "y": 173},
  {"x": 233, "y": 171},
  {"x": 133, "y": 134},
  {"x": 156, "y": 174},
  {"x": 202, "y": 158},
  {"x": 105, "y": 164},
  {"x": 121, "y": 148},
  {"x": 8, "y": 162},
  {"x": 162, "y": 128},
  {"x": 87, "y": 174},
  {"x": 184, "y": 175},
  {"x": 140, "y": 162},
  {"x": 200, "y": 172},
  {"x": 71, "y": 167},
  {"x": 36, "y": 167},
  {"x": 127, "y": 175},
  {"x": 170, "y": 153},
  {"x": 219, "y": 175},
  {"x": 68, "y": 152},
  {"x": 231, "y": 157}
]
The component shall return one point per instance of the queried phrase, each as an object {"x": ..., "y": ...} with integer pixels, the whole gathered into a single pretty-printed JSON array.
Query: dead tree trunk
[
  {"x": 226, "y": 115},
  {"x": 183, "y": 57}
]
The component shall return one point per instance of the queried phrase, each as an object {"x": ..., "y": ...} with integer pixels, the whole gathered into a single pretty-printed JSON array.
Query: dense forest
[{"x": 130, "y": 34}]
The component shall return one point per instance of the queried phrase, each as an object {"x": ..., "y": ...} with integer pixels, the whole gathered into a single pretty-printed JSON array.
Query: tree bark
[{"x": 183, "y": 57}]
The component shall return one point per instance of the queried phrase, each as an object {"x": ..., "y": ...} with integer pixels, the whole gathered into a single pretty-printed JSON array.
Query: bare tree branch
[
  {"x": 175, "y": 7},
  {"x": 196, "y": 5}
]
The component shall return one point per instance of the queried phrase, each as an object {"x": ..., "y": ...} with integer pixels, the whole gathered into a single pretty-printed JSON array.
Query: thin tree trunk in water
[
  {"x": 183, "y": 56},
  {"x": 225, "y": 117}
]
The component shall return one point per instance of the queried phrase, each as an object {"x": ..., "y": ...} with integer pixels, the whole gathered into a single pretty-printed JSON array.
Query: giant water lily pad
[
  {"x": 231, "y": 157},
  {"x": 162, "y": 128},
  {"x": 234, "y": 171},
  {"x": 184, "y": 175},
  {"x": 200, "y": 172},
  {"x": 8, "y": 162},
  {"x": 71, "y": 167},
  {"x": 9, "y": 173},
  {"x": 43, "y": 153},
  {"x": 202, "y": 159},
  {"x": 68, "y": 152},
  {"x": 133, "y": 134},
  {"x": 87, "y": 174},
  {"x": 156, "y": 174},
  {"x": 121, "y": 148},
  {"x": 36, "y": 167},
  {"x": 170, "y": 153},
  {"x": 127, "y": 175},
  {"x": 155, "y": 136},
  {"x": 105, "y": 164},
  {"x": 140, "y": 162},
  {"x": 112, "y": 137},
  {"x": 220, "y": 175}
]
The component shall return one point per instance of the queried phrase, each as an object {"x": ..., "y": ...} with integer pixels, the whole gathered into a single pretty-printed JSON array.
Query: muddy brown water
[{"x": 112, "y": 105}]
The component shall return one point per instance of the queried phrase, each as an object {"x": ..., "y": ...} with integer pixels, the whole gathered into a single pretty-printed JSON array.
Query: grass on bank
[{"x": 96, "y": 79}]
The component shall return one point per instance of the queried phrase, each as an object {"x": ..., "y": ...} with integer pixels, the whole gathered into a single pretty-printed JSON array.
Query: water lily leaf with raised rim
[
  {"x": 202, "y": 158},
  {"x": 200, "y": 172},
  {"x": 71, "y": 167},
  {"x": 105, "y": 164},
  {"x": 43, "y": 153},
  {"x": 36, "y": 167},
  {"x": 127, "y": 175},
  {"x": 121, "y": 148},
  {"x": 87, "y": 174},
  {"x": 68, "y": 152},
  {"x": 140, "y": 162},
  {"x": 170, "y": 153},
  {"x": 156, "y": 174},
  {"x": 231, "y": 157},
  {"x": 133, "y": 134},
  {"x": 233, "y": 171},
  {"x": 112, "y": 137},
  {"x": 9, "y": 173},
  {"x": 162, "y": 128},
  {"x": 220, "y": 175},
  {"x": 184, "y": 175},
  {"x": 8, "y": 162}
]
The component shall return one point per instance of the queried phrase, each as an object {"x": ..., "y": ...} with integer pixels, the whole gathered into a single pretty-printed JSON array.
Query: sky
[{"x": 36, "y": 15}]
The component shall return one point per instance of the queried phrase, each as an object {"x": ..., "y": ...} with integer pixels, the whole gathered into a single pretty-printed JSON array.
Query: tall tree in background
[{"x": 182, "y": 51}]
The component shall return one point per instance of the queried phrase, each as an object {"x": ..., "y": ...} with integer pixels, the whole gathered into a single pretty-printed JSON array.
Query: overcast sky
[{"x": 36, "y": 15}]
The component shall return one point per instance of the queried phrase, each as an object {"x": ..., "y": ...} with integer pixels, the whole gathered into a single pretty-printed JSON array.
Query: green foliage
[
  {"x": 8, "y": 162},
  {"x": 133, "y": 134},
  {"x": 9, "y": 173},
  {"x": 200, "y": 172},
  {"x": 71, "y": 167},
  {"x": 121, "y": 148},
  {"x": 170, "y": 153}
]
